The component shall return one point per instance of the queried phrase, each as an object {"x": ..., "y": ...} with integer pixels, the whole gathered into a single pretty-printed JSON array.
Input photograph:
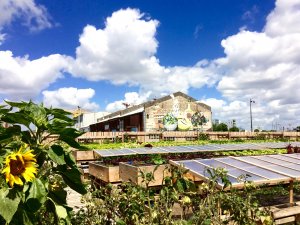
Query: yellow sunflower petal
[
  {"x": 10, "y": 179},
  {"x": 28, "y": 176},
  {"x": 6, "y": 170},
  {"x": 18, "y": 180}
]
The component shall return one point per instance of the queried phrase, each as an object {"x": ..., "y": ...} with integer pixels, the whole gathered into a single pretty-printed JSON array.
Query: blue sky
[{"x": 98, "y": 54}]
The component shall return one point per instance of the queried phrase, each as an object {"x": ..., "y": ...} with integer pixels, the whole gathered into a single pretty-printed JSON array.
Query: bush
[{"x": 203, "y": 137}]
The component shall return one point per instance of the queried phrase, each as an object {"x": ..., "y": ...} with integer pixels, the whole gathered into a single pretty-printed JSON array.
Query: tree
[
  {"x": 234, "y": 129},
  {"x": 220, "y": 127}
]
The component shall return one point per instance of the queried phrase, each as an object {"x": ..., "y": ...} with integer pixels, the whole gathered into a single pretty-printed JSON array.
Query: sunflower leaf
[
  {"x": 9, "y": 204},
  {"x": 37, "y": 195},
  {"x": 56, "y": 153},
  {"x": 72, "y": 177}
]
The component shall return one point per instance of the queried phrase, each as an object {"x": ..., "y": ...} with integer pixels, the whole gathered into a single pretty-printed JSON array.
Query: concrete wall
[{"x": 181, "y": 107}]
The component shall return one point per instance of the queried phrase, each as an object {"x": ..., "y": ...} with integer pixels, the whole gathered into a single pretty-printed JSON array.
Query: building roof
[{"x": 140, "y": 108}]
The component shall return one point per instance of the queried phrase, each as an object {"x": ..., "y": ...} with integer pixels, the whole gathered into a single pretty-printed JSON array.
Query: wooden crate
[
  {"x": 108, "y": 174},
  {"x": 84, "y": 155},
  {"x": 132, "y": 173}
]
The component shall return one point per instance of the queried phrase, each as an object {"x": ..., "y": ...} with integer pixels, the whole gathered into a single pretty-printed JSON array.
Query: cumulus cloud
[
  {"x": 123, "y": 52},
  {"x": 33, "y": 16},
  {"x": 23, "y": 79},
  {"x": 130, "y": 99},
  {"x": 263, "y": 65},
  {"x": 266, "y": 65},
  {"x": 70, "y": 98}
]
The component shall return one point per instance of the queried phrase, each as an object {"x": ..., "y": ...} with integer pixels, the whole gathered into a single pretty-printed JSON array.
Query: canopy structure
[
  {"x": 264, "y": 169},
  {"x": 192, "y": 148}
]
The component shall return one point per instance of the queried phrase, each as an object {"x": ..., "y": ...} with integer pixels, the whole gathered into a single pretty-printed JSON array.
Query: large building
[{"x": 177, "y": 111}]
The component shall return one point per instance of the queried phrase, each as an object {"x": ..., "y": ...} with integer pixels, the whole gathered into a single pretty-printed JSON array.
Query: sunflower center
[{"x": 17, "y": 167}]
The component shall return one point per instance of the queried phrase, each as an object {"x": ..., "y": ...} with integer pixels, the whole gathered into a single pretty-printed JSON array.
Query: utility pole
[{"x": 251, "y": 101}]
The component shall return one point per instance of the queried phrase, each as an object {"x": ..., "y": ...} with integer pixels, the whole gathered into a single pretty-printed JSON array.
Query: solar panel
[{"x": 192, "y": 148}]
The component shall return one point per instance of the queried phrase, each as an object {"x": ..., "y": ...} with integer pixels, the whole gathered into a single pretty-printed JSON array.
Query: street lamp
[{"x": 251, "y": 101}]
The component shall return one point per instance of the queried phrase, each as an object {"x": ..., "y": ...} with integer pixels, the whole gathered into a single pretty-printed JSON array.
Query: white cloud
[
  {"x": 71, "y": 98},
  {"x": 130, "y": 98},
  {"x": 33, "y": 16},
  {"x": 22, "y": 79},
  {"x": 265, "y": 66},
  {"x": 124, "y": 53}
]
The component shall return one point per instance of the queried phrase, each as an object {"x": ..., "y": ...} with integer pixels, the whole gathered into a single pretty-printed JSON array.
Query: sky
[{"x": 98, "y": 54}]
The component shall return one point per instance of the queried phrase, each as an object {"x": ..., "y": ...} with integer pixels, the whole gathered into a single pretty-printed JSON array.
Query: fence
[{"x": 101, "y": 137}]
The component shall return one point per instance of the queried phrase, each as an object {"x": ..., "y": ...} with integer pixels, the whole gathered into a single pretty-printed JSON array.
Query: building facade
[{"x": 177, "y": 111}]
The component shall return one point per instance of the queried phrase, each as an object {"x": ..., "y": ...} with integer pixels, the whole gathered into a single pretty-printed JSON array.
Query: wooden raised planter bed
[
  {"x": 84, "y": 155},
  {"x": 105, "y": 173},
  {"x": 82, "y": 160},
  {"x": 131, "y": 173}
]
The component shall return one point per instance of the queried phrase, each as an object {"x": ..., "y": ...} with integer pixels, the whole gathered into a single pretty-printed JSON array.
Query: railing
[{"x": 102, "y": 137}]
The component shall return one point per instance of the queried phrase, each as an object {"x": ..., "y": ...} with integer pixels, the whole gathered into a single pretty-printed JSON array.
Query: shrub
[{"x": 203, "y": 137}]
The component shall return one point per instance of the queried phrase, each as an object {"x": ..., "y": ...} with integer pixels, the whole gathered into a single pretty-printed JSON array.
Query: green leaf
[
  {"x": 9, "y": 204},
  {"x": 62, "y": 212},
  {"x": 17, "y": 104},
  {"x": 59, "y": 196},
  {"x": 37, "y": 195},
  {"x": 72, "y": 177},
  {"x": 57, "y": 154},
  {"x": 7, "y": 134},
  {"x": 70, "y": 141},
  {"x": 17, "y": 117},
  {"x": 70, "y": 159}
]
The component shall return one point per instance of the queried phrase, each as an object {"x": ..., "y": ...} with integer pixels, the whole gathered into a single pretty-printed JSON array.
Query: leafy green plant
[
  {"x": 179, "y": 201},
  {"x": 203, "y": 137},
  {"x": 43, "y": 136}
]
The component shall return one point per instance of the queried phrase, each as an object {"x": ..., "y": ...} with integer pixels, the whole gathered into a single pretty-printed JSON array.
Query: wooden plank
[
  {"x": 286, "y": 212},
  {"x": 291, "y": 192},
  {"x": 84, "y": 155},
  {"x": 285, "y": 220},
  {"x": 132, "y": 173},
  {"x": 109, "y": 174}
]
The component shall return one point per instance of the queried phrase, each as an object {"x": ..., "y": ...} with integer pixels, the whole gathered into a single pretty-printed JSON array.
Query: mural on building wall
[{"x": 184, "y": 121}]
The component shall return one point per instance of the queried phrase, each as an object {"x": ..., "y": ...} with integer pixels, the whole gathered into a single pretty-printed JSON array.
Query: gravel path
[{"x": 74, "y": 199}]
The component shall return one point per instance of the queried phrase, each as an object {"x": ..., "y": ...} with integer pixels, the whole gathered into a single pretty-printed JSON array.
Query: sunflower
[{"x": 20, "y": 164}]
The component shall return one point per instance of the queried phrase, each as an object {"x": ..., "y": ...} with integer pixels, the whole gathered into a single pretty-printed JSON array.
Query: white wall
[{"x": 86, "y": 119}]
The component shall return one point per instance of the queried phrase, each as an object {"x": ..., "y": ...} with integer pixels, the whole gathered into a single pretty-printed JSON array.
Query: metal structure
[{"x": 251, "y": 101}]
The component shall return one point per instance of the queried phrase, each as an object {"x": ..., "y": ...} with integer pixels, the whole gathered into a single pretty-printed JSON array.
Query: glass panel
[
  {"x": 202, "y": 170},
  {"x": 271, "y": 166},
  {"x": 280, "y": 162},
  {"x": 251, "y": 168},
  {"x": 232, "y": 171},
  {"x": 286, "y": 158}
]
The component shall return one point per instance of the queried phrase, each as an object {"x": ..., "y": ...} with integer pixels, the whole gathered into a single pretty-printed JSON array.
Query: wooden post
[{"x": 291, "y": 192}]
